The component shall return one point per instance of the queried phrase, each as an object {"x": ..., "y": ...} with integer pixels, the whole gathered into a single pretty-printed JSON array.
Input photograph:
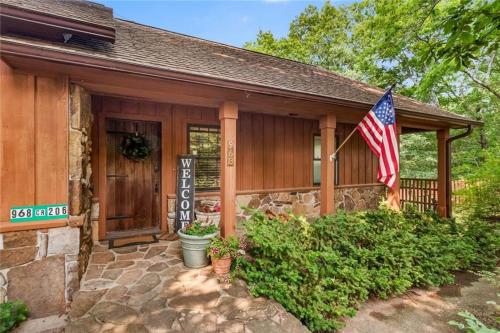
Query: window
[
  {"x": 317, "y": 161},
  {"x": 204, "y": 142}
]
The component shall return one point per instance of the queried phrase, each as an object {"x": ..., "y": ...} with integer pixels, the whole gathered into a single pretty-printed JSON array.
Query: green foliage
[
  {"x": 439, "y": 52},
  {"x": 11, "y": 314},
  {"x": 322, "y": 271},
  {"x": 481, "y": 198},
  {"x": 197, "y": 229},
  {"x": 472, "y": 324},
  {"x": 223, "y": 247}
]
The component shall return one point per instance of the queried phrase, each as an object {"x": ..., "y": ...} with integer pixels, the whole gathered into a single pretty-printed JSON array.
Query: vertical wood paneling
[
  {"x": 268, "y": 137},
  {"x": 279, "y": 152},
  {"x": 34, "y": 140},
  {"x": 17, "y": 140},
  {"x": 51, "y": 147},
  {"x": 246, "y": 150},
  {"x": 298, "y": 151},
  {"x": 258, "y": 151},
  {"x": 289, "y": 148}
]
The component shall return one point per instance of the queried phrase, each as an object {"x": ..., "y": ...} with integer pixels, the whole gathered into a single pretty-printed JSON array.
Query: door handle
[{"x": 157, "y": 188}]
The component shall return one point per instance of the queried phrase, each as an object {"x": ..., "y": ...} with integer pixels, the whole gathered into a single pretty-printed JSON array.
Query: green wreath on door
[{"x": 135, "y": 147}]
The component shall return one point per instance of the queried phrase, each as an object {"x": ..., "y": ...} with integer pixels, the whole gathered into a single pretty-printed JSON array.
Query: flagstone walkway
[{"x": 148, "y": 289}]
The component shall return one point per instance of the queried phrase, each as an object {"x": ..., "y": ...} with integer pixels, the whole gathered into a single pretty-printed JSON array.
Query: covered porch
[{"x": 266, "y": 149}]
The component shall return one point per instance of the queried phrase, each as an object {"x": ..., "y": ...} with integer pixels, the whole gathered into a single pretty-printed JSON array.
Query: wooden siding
[
  {"x": 34, "y": 140},
  {"x": 273, "y": 152}
]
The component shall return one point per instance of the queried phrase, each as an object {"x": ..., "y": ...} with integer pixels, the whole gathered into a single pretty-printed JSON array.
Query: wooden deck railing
[{"x": 423, "y": 193}]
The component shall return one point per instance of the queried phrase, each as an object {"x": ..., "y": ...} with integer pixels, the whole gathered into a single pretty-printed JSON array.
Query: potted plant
[
  {"x": 222, "y": 251},
  {"x": 208, "y": 212},
  {"x": 195, "y": 239}
]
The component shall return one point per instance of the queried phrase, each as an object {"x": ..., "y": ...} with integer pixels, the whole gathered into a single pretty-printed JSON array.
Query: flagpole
[{"x": 334, "y": 155}]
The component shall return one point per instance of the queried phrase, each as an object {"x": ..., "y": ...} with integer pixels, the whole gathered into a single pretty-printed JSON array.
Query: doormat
[{"x": 133, "y": 240}]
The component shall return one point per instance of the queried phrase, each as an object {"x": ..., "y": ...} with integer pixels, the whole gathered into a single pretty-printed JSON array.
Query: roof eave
[{"x": 34, "y": 51}]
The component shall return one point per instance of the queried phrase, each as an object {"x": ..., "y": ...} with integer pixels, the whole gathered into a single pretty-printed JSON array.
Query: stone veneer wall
[
  {"x": 40, "y": 267},
  {"x": 361, "y": 197},
  {"x": 307, "y": 203},
  {"x": 43, "y": 267},
  {"x": 80, "y": 190}
]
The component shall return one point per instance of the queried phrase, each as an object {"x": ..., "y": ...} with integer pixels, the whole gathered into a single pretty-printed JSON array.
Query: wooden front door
[{"x": 133, "y": 198}]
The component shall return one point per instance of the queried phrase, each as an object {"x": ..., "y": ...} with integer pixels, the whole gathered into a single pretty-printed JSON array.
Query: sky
[{"x": 229, "y": 22}]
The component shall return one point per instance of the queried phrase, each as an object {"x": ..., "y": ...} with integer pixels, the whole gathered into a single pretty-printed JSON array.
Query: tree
[{"x": 437, "y": 51}]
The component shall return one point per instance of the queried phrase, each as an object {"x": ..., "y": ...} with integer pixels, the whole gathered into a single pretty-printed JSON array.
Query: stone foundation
[
  {"x": 358, "y": 198},
  {"x": 40, "y": 267},
  {"x": 307, "y": 203}
]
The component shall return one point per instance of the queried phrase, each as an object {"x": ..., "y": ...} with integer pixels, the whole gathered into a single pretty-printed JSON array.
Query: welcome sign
[{"x": 185, "y": 191}]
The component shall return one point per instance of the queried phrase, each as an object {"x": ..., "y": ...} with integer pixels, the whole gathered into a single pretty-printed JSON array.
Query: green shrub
[
  {"x": 481, "y": 197},
  {"x": 322, "y": 271},
  {"x": 11, "y": 314}
]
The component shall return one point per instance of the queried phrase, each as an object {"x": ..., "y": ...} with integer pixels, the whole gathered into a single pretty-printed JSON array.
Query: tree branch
[{"x": 482, "y": 84}]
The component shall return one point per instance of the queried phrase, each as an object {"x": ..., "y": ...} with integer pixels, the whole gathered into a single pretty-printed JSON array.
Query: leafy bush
[
  {"x": 481, "y": 198},
  {"x": 322, "y": 271},
  {"x": 11, "y": 314},
  {"x": 198, "y": 229}
]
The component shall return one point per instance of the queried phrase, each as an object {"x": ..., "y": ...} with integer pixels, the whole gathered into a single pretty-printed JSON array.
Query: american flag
[{"x": 378, "y": 128}]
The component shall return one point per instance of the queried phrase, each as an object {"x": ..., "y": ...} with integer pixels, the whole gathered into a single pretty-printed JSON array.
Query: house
[{"x": 75, "y": 81}]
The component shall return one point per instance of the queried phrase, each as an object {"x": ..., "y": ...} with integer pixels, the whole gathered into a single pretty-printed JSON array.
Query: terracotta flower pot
[{"x": 222, "y": 265}]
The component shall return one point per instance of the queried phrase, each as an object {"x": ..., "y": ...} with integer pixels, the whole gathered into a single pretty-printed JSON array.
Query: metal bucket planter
[{"x": 194, "y": 249}]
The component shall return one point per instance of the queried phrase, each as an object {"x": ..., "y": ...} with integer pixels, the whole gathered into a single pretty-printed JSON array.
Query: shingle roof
[
  {"x": 160, "y": 49},
  {"x": 78, "y": 10}
]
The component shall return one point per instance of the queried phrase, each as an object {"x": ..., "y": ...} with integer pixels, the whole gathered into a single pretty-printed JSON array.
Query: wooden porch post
[
  {"x": 393, "y": 194},
  {"x": 228, "y": 113},
  {"x": 442, "y": 136},
  {"x": 327, "y": 124}
]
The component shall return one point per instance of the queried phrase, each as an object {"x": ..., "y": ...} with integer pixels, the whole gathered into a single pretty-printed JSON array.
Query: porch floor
[{"x": 147, "y": 289}]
